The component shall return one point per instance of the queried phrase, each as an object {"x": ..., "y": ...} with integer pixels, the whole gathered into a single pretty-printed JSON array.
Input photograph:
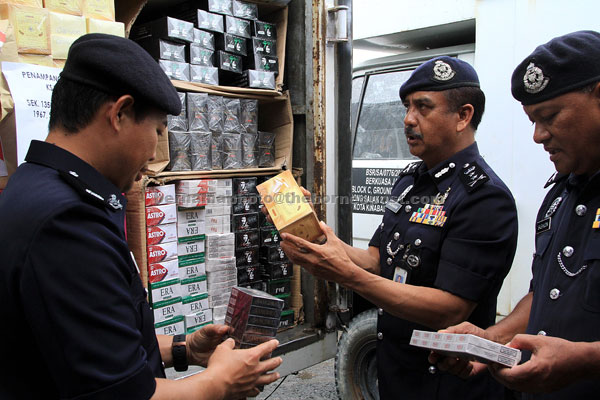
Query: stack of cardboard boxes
[{"x": 44, "y": 30}]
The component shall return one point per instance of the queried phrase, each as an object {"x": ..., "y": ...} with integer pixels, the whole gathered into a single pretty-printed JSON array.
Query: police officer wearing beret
[
  {"x": 559, "y": 88},
  {"x": 75, "y": 320},
  {"x": 446, "y": 242}
]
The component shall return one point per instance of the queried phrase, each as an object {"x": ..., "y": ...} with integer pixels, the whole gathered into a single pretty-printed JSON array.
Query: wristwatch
[{"x": 179, "y": 352}]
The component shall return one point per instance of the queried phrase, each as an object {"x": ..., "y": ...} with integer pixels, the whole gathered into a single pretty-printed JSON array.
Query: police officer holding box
[
  {"x": 446, "y": 242},
  {"x": 559, "y": 87},
  {"x": 76, "y": 323}
]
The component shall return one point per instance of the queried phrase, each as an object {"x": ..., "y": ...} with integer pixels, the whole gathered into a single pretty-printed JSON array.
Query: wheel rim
[{"x": 365, "y": 371}]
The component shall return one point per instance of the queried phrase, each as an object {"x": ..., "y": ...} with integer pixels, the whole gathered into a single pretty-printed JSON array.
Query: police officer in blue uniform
[
  {"x": 75, "y": 320},
  {"x": 559, "y": 88},
  {"x": 446, "y": 242}
]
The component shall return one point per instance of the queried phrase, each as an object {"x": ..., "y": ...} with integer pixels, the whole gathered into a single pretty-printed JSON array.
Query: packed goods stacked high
[
  {"x": 214, "y": 42},
  {"x": 44, "y": 30}
]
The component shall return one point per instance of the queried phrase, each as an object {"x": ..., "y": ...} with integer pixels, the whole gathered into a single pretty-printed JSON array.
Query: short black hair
[
  {"x": 474, "y": 96},
  {"x": 74, "y": 105}
]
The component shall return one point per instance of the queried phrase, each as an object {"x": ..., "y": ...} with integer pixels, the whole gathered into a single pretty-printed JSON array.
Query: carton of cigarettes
[
  {"x": 193, "y": 286},
  {"x": 248, "y": 327},
  {"x": 213, "y": 265},
  {"x": 162, "y": 252},
  {"x": 189, "y": 231},
  {"x": 216, "y": 210},
  {"x": 161, "y": 234},
  {"x": 288, "y": 208},
  {"x": 160, "y": 215},
  {"x": 163, "y": 281},
  {"x": 190, "y": 249},
  {"x": 192, "y": 268},
  {"x": 191, "y": 200},
  {"x": 159, "y": 195},
  {"x": 220, "y": 312},
  {"x": 195, "y": 321},
  {"x": 287, "y": 319},
  {"x": 192, "y": 186},
  {"x": 194, "y": 304},
  {"x": 191, "y": 215},
  {"x": 174, "y": 326},
  {"x": 167, "y": 309},
  {"x": 466, "y": 346}
]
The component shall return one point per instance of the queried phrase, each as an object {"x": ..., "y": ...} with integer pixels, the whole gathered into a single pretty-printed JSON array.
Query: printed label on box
[
  {"x": 165, "y": 214},
  {"x": 162, "y": 252},
  {"x": 159, "y": 195},
  {"x": 175, "y": 326},
  {"x": 161, "y": 234}
]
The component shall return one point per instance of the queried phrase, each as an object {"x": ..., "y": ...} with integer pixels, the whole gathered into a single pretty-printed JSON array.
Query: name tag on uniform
[
  {"x": 400, "y": 275},
  {"x": 393, "y": 206},
  {"x": 543, "y": 225}
]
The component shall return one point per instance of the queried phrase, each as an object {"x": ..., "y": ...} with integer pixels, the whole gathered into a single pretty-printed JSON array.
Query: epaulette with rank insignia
[
  {"x": 473, "y": 176},
  {"x": 410, "y": 168},
  {"x": 72, "y": 178},
  {"x": 554, "y": 178}
]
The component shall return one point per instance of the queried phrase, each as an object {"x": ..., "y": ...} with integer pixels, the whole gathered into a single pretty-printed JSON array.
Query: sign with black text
[{"x": 371, "y": 189}]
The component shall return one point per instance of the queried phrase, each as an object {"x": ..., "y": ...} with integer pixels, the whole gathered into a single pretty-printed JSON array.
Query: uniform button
[
  {"x": 380, "y": 311},
  {"x": 381, "y": 226},
  {"x": 432, "y": 369},
  {"x": 554, "y": 294},
  {"x": 418, "y": 242},
  {"x": 380, "y": 335},
  {"x": 580, "y": 210},
  {"x": 408, "y": 208},
  {"x": 568, "y": 251},
  {"x": 396, "y": 236},
  {"x": 452, "y": 165},
  {"x": 389, "y": 261},
  {"x": 542, "y": 333}
]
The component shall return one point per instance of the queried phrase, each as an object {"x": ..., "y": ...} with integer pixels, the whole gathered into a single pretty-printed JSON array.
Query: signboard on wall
[{"x": 371, "y": 188}]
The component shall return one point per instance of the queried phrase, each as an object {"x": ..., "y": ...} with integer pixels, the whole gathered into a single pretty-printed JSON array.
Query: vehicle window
[
  {"x": 380, "y": 131},
  {"x": 356, "y": 89}
]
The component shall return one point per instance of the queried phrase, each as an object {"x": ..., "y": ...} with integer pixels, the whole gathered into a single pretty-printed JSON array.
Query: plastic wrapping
[
  {"x": 201, "y": 56},
  {"x": 220, "y": 6},
  {"x": 175, "y": 70},
  {"x": 204, "y": 39},
  {"x": 249, "y": 150},
  {"x": 179, "y": 146},
  {"x": 212, "y": 22},
  {"x": 238, "y": 26},
  {"x": 266, "y": 149},
  {"x": 242, "y": 9},
  {"x": 216, "y": 107},
  {"x": 216, "y": 150},
  {"x": 179, "y": 123},
  {"x": 197, "y": 112},
  {"x": 249, "y": 117},
  {"x": 204, "y": 74},
  {"x": 232, "y": 151},
  {"x": 200, "y": 157},
  {"x": 232, "y": 116}
]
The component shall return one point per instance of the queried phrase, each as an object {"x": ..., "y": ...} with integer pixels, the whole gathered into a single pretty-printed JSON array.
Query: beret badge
[
  {"x": 534, "y": 79},
  {"x": 442, "y": 71}
]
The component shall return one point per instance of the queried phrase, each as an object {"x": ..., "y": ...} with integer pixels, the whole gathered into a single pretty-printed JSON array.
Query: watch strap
[{"x": 179, "y": 353}]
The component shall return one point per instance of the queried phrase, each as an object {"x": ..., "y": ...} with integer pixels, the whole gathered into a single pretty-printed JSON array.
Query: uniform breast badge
[{"x": 596, "y": 223}]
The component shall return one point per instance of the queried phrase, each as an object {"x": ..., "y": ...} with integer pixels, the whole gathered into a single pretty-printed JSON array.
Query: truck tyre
[{"x": 355, "y": 360}]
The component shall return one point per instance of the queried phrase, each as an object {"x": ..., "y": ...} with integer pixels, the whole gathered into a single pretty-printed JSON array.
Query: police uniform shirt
[
  {"x": 566, "y": 271},
  {"x": 76, "y": 323},
  {"x": 463, "y": 245}
]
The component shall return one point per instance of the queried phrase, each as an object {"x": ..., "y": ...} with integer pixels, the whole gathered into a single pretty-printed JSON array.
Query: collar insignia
[{"x": 114, "y": 202}]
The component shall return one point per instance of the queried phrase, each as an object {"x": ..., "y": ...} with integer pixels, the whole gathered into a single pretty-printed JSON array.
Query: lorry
[{"x": 348, "y": 142}]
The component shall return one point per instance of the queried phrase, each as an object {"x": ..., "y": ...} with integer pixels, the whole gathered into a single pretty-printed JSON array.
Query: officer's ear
[
  {"x": 121, "y": 110},
  {"x": 465, "y": 114}
]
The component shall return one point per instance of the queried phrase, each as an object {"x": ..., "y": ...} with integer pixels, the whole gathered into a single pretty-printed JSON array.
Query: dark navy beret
[
  {"x": 562, "y": 65},
  {"x": 441, "y": 73},
  {"x": 119, "y": 66}
]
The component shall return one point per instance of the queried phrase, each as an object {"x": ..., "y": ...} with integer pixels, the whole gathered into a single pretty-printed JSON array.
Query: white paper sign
[{"x": 31, "y": 88}]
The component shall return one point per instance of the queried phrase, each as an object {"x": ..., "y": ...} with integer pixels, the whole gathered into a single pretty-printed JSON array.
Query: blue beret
[
  {"x": 562, "y": 65},
  {"x": 441, "y": 73},
  {"x": 120, "y": 66}
]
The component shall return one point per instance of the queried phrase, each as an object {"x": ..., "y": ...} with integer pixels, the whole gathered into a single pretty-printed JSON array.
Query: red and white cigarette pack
[
  {"x": 466, "y": 346},
  {"x": 162, "y": 252},
  {"x": 159, "y": 195},
  {"x": 191, "y": 186},
  {"x": 161, "y": 234},
  {"x": 160, "y": 215}
]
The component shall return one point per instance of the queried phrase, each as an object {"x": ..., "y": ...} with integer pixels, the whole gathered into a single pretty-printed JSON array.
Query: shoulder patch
[
  {"x": 410, "y": 168},
  {"x": 554, "y": 178},
  {"x": 473, "y": 176}
]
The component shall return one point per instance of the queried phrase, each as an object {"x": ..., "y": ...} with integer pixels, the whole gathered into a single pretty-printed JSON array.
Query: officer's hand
[
  {"x": 241, "y": 371},
  {"x": 202, "y": 343},
  {"x": 554, "y": 364},
  {"x": 458, "y": 366},
  {"x": 327, "y": 261}
]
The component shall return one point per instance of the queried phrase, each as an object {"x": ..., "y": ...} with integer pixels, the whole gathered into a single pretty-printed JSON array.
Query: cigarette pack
[
  {"x": 466, "y": 346},
  {"x": 162, "y": 252},
  {"x": 246, "y": 256},
  {"x": 192, "y": 268},
  {"x": 200, "y": 318},
  {"x": 94, "y": 25},
  {"x": 262, "y": 62},
  {"x": 213, "y": 265},
  {"x": 31, "y": 27},
  {"x": 269, "y": 235},
  {"x": 247, "y": 326},
  {"x": 191, "y": 249},
  {"x": 160, "y": 215},
  {"x": 210, "y": 21},
  {"x": 246, "y": 239},
  {"x": 191, "y": 215},
  {"x": 231, "y": 43},
  {"x": 175, "y": 70},
  {"x": 205, "y": 39},
  {"x": 161, "y": 234},
  {"x": 193, "y": 286},
  {"x": 191, "y": 200},
  {"x": 277, "y": 270},
  {"x": 244, "y": 204},
  {"x": 248, "y": 274},
  {"x": 242, "y": 9},
  {"x": 286, "y": 320},
  {"x": 199, "y": 55},
  {"x": 165, "y": 28},
  {"x": 264, "y": 46},
  {"x": 245, "y": 222},
  {"x": 164, "y": 290},
  {"x": 167, "y": 309},
  {"x": 160, "y": 195},
  {"x": 288, "y": 208},
  {"x": 279, "y": 286},
  {"x": 216, "y": 210},
  {"x": 265, "y": 30},
  {"x": 173, "y": 326},
  {"x": 238, "y": 26},
  {"x": 190, "y": 231},
  {"x": 164, "y": 49},
  {"x": 224, "y": 275}
]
